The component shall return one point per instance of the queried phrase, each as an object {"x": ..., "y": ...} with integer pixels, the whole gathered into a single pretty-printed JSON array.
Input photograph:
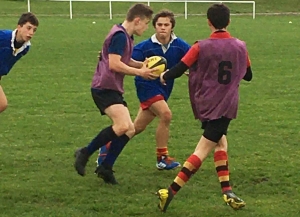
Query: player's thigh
[
  {"x": 3, "y": 100},
  {"x": 119, "y": 114},
  {"x": 143, "y": 118},
  {"x": 161, "y": 109},
  {"x": 112, "y": 104}
]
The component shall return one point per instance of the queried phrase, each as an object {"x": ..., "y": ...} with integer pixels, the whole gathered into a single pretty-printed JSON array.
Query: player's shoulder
[
  {"x": 117, "y": 28},
  {"x": 5, "y": 34},
  {"x": 144, "y": 44},
  {"x": 119, "y": 34},
  {"x": 6, "y": 31},
  {"x": 116, "y": 33},
  {"x": 238, "y": 40},
  {"x": 179, "y": 42},
  {"x": 240, "y": 43}
]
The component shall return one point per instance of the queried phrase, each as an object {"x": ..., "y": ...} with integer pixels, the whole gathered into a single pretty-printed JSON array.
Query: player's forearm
[
  {"x": 135, "y": 64},
  {"x": 121, "y": 67},
  {"x": 248, "y": 76},
  {"x": 176, "y": 71}
]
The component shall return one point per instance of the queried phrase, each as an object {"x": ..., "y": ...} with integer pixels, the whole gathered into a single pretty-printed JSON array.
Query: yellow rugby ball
[{"x": 157, "y": 62}]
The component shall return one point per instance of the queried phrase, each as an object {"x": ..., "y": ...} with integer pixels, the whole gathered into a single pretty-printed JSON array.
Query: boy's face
[
  {"x": 141, "y": 25},
  {"x": 163, "y": 28},
  {"x": 26, "y": 32}
]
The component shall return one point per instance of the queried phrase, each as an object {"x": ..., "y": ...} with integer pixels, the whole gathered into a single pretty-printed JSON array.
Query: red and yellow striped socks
[
  {"x": 190, "y": 167},
  {"x": 221, "y": 164}
]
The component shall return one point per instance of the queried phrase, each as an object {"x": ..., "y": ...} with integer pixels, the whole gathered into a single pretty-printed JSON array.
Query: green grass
[{"x": 51, "y": 113}]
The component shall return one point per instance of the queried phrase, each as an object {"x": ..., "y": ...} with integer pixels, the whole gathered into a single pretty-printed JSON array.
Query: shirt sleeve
[
  {"x": 191, "y": 56},
  {"x": 117, "y": 44}
]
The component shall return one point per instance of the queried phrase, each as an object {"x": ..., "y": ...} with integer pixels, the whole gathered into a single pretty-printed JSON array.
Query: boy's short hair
[
  {"x": 218, "y": 15},
  {"x": 28, "y": 17},
  {"x": 139, "y": 10},
  {"x": 164, "y": 13}
]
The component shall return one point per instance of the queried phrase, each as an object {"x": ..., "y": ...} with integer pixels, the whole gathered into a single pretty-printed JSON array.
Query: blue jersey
[
  {"x": 173, "y": 52},
  {"x": 9, "y": 55}
]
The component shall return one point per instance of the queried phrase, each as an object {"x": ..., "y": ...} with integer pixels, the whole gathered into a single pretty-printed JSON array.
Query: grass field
[{"x": 51, "y": 113}]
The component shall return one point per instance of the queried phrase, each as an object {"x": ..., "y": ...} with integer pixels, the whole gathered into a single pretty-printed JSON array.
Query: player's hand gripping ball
[{"x": 157, "y": 62}]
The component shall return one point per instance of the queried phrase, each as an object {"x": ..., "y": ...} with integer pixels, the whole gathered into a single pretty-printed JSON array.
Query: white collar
[
  {"x": 154, "y": 40},
  {"x": 19, "y": 50}
]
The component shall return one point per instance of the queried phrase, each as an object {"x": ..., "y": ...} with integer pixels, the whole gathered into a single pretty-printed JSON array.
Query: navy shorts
[{"x": 105, "y": 98}]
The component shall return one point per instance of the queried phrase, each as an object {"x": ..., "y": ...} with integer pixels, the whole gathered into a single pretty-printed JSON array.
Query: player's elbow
[{"x": 113, "y": 65}]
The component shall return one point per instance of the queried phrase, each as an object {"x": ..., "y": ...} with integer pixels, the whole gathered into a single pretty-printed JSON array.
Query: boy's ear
[{"x": 136, "y": 20}]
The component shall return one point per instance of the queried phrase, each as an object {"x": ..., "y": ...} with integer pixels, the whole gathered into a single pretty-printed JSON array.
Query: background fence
[
  {"x": 153, "y": 1},
  {"x": 116, "y": 8}
]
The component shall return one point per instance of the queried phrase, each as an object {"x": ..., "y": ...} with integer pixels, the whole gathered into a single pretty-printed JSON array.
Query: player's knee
[
  {"x": 166, "y": 116},
  {"x": 222, "y": 144},
  {"x": 3, "y": 105},
  {"x": 131, "y": 131},
  {"x": 122, "y": 128},
  {"x": 125, "y": 128}
]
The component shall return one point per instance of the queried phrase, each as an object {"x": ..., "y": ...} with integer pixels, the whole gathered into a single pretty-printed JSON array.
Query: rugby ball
[{"x": 157, "y": 62}]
